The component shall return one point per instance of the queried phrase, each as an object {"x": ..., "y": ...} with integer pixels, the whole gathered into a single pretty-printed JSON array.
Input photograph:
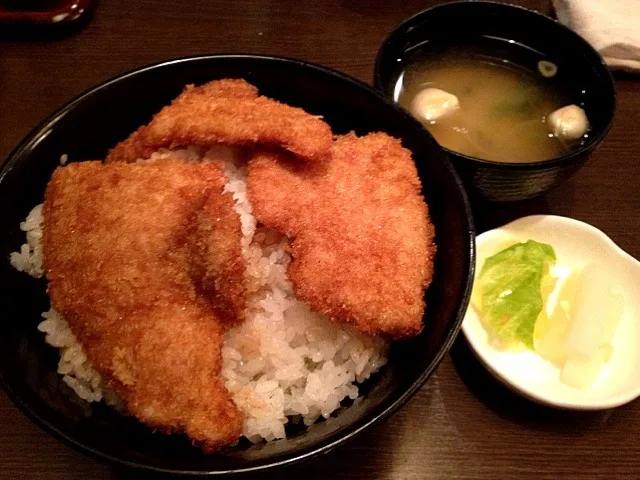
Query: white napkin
[{"x": 611, "y": 26}]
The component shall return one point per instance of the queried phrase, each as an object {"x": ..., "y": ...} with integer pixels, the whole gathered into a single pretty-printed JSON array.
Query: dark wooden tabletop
[{"x": 462, "y": 424}]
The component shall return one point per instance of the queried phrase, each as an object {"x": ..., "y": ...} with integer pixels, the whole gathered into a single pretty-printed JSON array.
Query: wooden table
[{"x": 462, "y": 424}]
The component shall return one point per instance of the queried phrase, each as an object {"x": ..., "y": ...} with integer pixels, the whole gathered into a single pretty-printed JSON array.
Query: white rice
[
  {"x": 286, "y": 360},
  {"x": 284, "y": 364},
  {"x": 29, "y": 258}
]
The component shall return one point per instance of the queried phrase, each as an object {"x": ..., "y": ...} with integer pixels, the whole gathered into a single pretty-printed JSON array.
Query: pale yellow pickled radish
[
  {"x": 614, "y": 315},
  {"x": 550, "y": 333},
  {"x": 577, "y": 335},
  {"x": 581, "y": 373},
  {"x": 568, "y": 123},
  {"x": 591, "y": 316},
  {"x": 596, "y": 314},
  {"x": 432, "y": 104}
]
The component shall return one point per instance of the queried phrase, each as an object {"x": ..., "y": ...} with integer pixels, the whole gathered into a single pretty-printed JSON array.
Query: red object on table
[{"x": 45, "y": 13}]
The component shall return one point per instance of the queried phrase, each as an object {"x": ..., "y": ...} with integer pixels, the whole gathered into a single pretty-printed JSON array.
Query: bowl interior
[
  {"x": 580, "y": 67},
  {"x": 86, "y": 128}
]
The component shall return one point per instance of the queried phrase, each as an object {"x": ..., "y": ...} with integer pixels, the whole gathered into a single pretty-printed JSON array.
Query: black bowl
[
  {"x": 580, "y": 67},
  {"x": 86, "y": 128}
]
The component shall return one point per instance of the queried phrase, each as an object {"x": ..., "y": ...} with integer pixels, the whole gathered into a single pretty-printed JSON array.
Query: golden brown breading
[
  {"x": 361, "y": 239},
  {"x": 229, "y": 112},
  {"x": 113, "y": 237},
  {"x": 215, "y": 257}
]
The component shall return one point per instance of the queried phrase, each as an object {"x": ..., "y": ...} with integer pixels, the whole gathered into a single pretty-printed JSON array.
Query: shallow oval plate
[{"x": 576, "y": 244}]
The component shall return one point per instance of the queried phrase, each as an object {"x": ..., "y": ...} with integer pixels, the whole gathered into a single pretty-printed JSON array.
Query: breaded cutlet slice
[
  {"x": 216, "y": 263},
  {"x": 361, "y": 238},
  {"x": 114, "y": 248},
  {"x": 228, "y": 112}
]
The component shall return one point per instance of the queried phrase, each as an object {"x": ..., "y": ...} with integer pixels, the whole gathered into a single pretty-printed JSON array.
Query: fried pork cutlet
[
  {"x": 361, "y": 239},
  {"x": 118, "y": 273},
  {"x": 216, "y": 262},
  {"x": 227, "y": 112}
]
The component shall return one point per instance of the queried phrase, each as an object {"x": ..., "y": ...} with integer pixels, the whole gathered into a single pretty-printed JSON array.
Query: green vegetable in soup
[
  {"x": 521, "y": 102},
  {"x": 510, "y": 289}
]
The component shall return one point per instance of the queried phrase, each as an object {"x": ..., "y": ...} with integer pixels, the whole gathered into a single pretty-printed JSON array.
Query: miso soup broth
[{"x": 501, "y": 109}]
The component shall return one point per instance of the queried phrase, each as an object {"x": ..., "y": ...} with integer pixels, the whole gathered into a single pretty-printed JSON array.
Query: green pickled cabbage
[{"x": 510, "y": 289}]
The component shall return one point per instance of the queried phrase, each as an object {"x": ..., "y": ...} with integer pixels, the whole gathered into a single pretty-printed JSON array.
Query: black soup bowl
[
  {"x": 580, "y": 70},
  {"x": 92, "y": 123}
]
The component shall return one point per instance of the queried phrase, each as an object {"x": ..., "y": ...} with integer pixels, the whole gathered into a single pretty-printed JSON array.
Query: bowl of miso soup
[{"x": 517, "y": 100}]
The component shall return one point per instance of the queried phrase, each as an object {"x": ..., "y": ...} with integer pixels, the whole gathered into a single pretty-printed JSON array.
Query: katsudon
[{"x": 231, "y": 267}]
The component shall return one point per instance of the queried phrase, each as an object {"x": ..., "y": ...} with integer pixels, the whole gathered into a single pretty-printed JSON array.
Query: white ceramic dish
[{"x": 576, "y": 244}]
